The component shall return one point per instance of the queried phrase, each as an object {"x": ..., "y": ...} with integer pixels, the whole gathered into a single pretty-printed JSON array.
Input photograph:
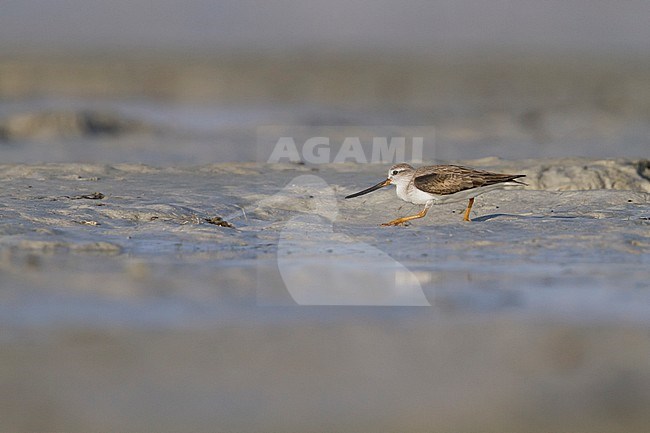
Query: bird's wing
[{"x": 450, "y": 179}]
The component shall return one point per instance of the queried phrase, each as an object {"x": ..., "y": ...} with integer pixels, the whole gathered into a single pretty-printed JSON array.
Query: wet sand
[{"x": 126, "y": 308}]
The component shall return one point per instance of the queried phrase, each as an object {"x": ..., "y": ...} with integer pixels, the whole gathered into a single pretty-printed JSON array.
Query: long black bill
[{"x": 371, "y": 189}]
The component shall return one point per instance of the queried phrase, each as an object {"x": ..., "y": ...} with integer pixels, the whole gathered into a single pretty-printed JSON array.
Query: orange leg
[
  {"x": 469, "y": 208},
  {"x": 399, "y": 221}
]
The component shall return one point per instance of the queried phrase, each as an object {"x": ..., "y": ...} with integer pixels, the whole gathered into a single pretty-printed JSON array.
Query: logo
[{"x": 361, "y": 145}]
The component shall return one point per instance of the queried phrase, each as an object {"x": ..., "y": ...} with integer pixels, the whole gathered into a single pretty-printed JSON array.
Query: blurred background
[{"x": 190, "y": 81}]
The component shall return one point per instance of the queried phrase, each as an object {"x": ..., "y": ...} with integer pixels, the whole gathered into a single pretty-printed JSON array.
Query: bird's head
[{"x": 397, "y": 174}]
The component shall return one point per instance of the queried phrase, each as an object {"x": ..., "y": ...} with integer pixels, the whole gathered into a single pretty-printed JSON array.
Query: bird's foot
[{"x": 396, "y": 222}]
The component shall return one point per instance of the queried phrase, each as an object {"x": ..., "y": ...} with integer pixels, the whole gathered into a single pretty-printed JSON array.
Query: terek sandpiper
[{"x": 440, "y": 184}]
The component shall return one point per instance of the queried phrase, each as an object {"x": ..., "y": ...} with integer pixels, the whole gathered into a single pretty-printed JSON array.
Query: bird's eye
[{"x": 395, "y": 172}]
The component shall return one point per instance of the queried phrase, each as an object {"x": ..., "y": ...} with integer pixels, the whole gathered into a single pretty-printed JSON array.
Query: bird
[{"x": 440, "y": 184}]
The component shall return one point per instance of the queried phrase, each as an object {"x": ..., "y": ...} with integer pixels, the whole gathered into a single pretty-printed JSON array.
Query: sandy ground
[
  {"x": 128, "y": 304},
  {"x": 156, "y": 274}
]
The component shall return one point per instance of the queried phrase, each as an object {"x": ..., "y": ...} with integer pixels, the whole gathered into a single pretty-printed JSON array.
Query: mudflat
[{"x": 171, "y": 296}]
